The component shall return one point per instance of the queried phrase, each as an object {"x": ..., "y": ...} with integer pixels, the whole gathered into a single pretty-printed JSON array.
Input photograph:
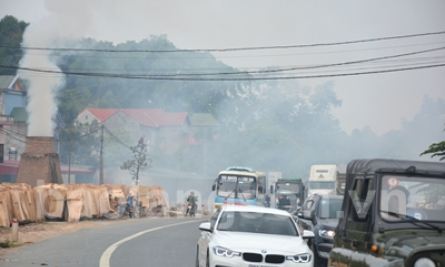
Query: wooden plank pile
[{"x": 72, "y": 202}]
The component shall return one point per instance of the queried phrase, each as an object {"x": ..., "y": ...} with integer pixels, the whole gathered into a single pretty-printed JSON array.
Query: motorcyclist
[
  {"x": 191, "y": 199},
  {"x": 267, "y": 201},
  {"x": 130, "y": 204}
]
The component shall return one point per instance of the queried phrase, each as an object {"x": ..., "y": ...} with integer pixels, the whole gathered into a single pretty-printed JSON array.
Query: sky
[{"x": 380, "y": 100}]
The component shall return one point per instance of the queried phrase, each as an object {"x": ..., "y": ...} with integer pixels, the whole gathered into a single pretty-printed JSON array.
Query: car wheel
[
  {"x": 197, "y": 257},
  {"x": 207, "y": 260}
]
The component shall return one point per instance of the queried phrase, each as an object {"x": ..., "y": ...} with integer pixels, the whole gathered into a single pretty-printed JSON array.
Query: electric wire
[
  {"x": 115, "y": 137},
  {"x": 12, "y": 135},
  {"x": 80, "y": 136},
  {"x": 145, "y": 77},
  {"x": 228, "y": 49},
  {"x": 160, "y": 76}
]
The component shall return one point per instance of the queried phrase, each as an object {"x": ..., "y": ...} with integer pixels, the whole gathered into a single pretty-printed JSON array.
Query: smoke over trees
[{"x": 267, "y": 125}]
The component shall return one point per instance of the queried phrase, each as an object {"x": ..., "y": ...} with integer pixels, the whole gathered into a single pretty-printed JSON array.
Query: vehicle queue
[{"x": 392, "y": 214}]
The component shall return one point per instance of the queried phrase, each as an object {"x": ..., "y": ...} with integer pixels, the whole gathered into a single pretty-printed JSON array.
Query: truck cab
[
  {"x": 393, "y": 215},
  {"x": 322, "y": 179},
  {"x": 290, "y": 194}
]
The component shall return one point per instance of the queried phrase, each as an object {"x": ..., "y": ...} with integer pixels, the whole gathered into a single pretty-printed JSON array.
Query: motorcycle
[{"x": 191, "y": 209}]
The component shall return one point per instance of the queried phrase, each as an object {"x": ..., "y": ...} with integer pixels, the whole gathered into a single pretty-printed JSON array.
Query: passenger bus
[{"x": 239, "y": 186}]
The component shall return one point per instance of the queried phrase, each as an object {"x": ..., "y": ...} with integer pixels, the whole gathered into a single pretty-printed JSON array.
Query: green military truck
[
  {"x": 393, "y": 214},
  {"x": 289, "y": 194}
]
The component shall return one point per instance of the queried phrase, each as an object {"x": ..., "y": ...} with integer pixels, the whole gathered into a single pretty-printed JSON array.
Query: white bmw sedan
[{"x": 252, "y": 236}]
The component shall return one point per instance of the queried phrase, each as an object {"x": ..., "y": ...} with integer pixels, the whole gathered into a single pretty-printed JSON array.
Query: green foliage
[
  {"x": 115, "y": 149},
  {"x": 11, "y": 34},
  {"x": 269, "y": 125},
  {"x": 112, "y": 91},
  {"x": 82, "y": 141},
  {"x": 9, "y": 244},
  {"x": 72, "y": 101},
  {"x": 436, "y": 149},
  {"x": 139, "y": 161}
]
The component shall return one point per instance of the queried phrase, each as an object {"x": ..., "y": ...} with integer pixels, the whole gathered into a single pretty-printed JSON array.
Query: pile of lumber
[{"x": 71, "y": 202}]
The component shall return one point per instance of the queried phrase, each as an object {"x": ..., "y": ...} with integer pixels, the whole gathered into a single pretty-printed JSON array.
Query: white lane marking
[{"x": 106, "y": 256}]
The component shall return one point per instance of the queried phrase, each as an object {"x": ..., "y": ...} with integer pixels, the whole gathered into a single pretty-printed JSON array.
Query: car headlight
[
  {"x": 424, "y": 262},
  {"x": 305, "y": 257},
  {"x": 326, "y": 234},
  {"x": 220, "y": 251}
]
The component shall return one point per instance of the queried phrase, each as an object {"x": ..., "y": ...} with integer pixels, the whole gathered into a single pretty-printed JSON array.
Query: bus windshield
[{"x": 233, "y": 186}]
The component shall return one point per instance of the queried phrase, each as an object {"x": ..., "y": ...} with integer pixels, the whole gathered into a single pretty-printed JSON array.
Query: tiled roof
[
  {"x": 146, "y": 117},
  {"x": 156, "y": 117},
  {"x": 102, "y": 114}
]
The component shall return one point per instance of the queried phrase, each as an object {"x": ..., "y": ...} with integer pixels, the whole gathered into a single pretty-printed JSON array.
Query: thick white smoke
[{"x": 66, "y": 20}]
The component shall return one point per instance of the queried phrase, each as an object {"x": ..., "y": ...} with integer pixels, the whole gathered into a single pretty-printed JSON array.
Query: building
[
  {"x": 13, "y": 116},
  {"x": 14, "y": 130},
  {"x": 168, "y": 131}
]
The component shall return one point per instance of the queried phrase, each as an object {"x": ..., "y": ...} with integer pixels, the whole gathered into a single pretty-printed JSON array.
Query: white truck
[{"x": 327, "y": 179}]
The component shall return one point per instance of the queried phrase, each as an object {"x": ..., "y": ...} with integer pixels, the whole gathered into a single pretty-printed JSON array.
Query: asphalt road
[{"x": 152, "y": 242}]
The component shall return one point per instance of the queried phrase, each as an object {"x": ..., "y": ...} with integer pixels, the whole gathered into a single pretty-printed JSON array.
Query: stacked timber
[{"x": 71, "y": 202}]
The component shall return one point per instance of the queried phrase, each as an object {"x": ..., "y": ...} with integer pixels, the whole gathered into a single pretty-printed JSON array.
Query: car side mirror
[
  {"x": 213, "y": 187},
  {"x": 308, "y": 234},
  {"x": 205, "y": 227},
  {"x": 300, "y": 214},
  {"x": 307, "y": 214}
]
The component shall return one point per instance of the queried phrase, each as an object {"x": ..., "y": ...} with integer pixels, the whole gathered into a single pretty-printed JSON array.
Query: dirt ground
[{"x": 36, "y": 232}]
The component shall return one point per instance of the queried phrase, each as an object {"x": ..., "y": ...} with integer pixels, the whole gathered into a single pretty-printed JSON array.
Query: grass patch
[{"x": 9, "y": 244}]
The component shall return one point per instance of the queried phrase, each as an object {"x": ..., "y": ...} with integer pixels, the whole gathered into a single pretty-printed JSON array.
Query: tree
[
  {"x": 139, "y": 161},
  {"x": 11, "y": 34},
  {"x": 79, "y": 144},
  {"x": 436, "y": 149}
]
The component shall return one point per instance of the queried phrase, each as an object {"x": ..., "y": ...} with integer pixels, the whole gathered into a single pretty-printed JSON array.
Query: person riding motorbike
[
  {"x": 191, "y": 204},
  {"x": 267, "y": 201}
]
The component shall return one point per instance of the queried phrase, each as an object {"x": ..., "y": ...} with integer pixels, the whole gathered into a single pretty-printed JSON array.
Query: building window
[{"x": 13, "y": 153}]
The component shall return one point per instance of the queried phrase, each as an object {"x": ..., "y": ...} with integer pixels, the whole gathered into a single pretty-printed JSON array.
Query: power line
[
  {"x": 223, "y": 49},
  {"x": 142, "y": 77},
  {"x": 159, "y": 76},
  {"x": 13, "y": 135},
  {"x": 115, "y": 137},
  {"x": 80, "y": 136}
]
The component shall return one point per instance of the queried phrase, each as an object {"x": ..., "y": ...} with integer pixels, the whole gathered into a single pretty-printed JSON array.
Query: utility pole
[
  {"x": 101, "y": 172},
  {"x": 69, "y": 160}
]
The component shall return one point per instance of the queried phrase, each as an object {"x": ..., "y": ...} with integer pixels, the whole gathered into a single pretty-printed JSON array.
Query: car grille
[
  {"x": 255, "y": 257},
  {"x": 274, "y": 258}
]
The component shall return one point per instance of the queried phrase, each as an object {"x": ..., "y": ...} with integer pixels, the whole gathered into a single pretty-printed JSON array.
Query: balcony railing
[{"x": 6, "y": 118}]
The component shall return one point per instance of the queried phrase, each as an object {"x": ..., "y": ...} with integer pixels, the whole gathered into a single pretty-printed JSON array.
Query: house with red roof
[{"x": 167, "y": 131}]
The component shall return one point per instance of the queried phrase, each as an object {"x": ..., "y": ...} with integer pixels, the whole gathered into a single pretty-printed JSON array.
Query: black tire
[{"x": 197, "y": 257}]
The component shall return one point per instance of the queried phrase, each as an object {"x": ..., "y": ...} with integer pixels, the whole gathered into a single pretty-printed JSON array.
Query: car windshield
[
  {"x": 328, "y": 208},
  {"x": 254, "y": 222},
  {"x": 412, "y": 199}
]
